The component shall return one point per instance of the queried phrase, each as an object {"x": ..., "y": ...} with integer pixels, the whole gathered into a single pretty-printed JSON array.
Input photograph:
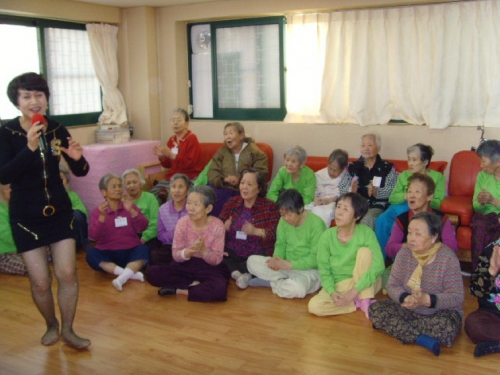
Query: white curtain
[
  {"x": 104, "y": 49},
  {"x": 305, "y": 59},
  {"x": 434, "y": 64}
]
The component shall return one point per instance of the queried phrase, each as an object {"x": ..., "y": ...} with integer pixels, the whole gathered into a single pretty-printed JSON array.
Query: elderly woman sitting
[
  {"x": 10, "y": 261},
  {"x": 114, "y": 225},
  {"x": 294, "y": 175},
  {"x": 371, "y": 177},
  {"x": 485, "y": 222},
  {"x": 168, "y": 216},
  {"x": 250, "y": 221},
  {"x": 425, "y": 288},
  {"x": 238, "y": 153},
  {"x": 349, "y": 260},
  {"x": 197, "y": 270},
  {"x": 421, "y": 189},
  {"x": 419, "y": 159},
  {"x": 292, "y": 270},
  {"x": 181, "y": 153},
  {"x": 483, "y": 325},
  {"x": 147, "y": 203},
  {"x": 327, "y": 186}
]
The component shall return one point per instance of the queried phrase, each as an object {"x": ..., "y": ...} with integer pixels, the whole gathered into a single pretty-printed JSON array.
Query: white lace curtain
[
  {"x": 435, "y": 64},
  {"x": 104, "y": 49}
]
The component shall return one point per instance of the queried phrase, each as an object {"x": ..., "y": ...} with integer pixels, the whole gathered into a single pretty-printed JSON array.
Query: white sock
[
  {"x": 243, "y": 280},
  {"x": 123, "y": 278},
  {"x": 138, "y": 276},
  {"x": 118, "y": 270},
  {"x": 235, "y": 275}
]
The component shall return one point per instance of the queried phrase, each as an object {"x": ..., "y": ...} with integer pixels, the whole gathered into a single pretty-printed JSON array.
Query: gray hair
[
  {"x": 239, "y": 128},
  {"x": 340, "y": 156},
  {"x": 183, "y": 112},
  {"x": 299, "y": 152},
  {"x": 131, "y": 171},
  {"x": 104, "y": 181},
  {"x": 375, "y": 136},
  {"x": 181, "y": 176},
  {"x": 489, "y": 149},
  {"x": 209, "y": 196},
  {"x": 425, "y": 152},
  {"x": 433, "y": 221}
]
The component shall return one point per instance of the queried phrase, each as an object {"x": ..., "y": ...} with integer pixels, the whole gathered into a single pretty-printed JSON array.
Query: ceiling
[{"x": 136, "y": 3}]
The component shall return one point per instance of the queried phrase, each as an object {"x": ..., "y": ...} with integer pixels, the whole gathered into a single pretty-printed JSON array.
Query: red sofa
[
  {"x": 318, "y": 162},
  {"x": 154, "y": 172},
  {"x": 464, "y": 167}
]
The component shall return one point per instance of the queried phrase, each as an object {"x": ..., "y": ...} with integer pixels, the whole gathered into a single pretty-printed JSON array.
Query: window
[
  {"x": 237, "y": 69},
  {"x": 61, "y": 52}
]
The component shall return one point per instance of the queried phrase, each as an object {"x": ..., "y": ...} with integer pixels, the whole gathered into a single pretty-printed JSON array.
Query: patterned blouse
[{"x": 484, "y": 286}]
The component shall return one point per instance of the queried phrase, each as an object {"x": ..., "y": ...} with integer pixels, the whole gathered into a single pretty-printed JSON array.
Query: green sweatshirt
[
  {"x": 398, "y": 194},
  {"x": 76, "y": 202},
  {"x": 149, "y": 207},
  {"x": 336, "y": 260},
  {"x": 490, "y": 184},
  {"x": 306, "y": 185},
  {"x": 298, "y": 244},
  {"x": 7, "y": 244}
]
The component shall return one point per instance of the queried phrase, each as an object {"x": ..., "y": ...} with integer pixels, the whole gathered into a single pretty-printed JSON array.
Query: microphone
[{"x": 37, "y": 117}]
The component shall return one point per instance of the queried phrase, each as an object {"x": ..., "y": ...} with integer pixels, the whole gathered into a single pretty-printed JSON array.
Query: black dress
[{"x": 40, "y": 209}]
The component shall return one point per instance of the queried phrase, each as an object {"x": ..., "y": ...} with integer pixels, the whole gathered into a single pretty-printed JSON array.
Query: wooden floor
[{"x": 254, "y": 332}]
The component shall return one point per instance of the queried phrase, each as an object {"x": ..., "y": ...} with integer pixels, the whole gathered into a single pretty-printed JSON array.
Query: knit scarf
[{"x": 422, "y": 259}]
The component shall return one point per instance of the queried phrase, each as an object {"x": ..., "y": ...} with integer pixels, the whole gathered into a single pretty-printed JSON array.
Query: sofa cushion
[
  {"x": 465, "y": 165},
  {"x": 458, "y": 205}
]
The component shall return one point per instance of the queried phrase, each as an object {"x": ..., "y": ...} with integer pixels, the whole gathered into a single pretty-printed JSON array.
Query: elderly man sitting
[{"x": 371, "y": 177}]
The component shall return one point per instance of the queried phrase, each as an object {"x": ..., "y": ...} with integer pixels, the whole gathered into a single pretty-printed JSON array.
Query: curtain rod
[{"x": 386, "y": 7}]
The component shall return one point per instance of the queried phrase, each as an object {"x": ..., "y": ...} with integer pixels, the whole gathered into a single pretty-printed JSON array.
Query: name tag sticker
[
  {"x": 376, "y": 181},
  {"x": 175, "y": 150},
  {"x": 241, "y": 235},
  {"x": 120, "y": 221}
]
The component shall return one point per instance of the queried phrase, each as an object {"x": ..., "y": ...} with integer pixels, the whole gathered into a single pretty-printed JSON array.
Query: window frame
[
  {"x": 257, "y": 114},
  {"x": 41, "y": 24}
]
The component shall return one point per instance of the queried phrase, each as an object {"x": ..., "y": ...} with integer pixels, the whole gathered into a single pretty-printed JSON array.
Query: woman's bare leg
[
  {"x": 64, "y": 257},
  {"x": 41, "y": 281}
]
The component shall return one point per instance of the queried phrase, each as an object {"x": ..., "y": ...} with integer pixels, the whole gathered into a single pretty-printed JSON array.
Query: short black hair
[
  {"x": 291, "y": 200},
  {"x": 433, "y": 221},
  {"x": 358, "y": 203},
  {"x": 425, "y": 179},
  {"x": 182, "y": 176},
  {"x": 261, "y": 180},
  {"x": 27, "y": 81}
]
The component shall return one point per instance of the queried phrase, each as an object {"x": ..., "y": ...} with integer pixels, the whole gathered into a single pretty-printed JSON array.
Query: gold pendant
[
  {"x": 49, "y": 210},
  {"x": 55, "y": 145}
]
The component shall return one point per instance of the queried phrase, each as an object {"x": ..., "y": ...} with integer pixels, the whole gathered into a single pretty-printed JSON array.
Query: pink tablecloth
[{"x": 109, "y": 158}]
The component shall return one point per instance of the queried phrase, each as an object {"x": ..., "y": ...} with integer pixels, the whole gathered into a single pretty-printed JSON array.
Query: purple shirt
[
  {"x": 243, "y": 248},
  {"x": 167, "y": 220},
  {"x": 119, "y": 230}
]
